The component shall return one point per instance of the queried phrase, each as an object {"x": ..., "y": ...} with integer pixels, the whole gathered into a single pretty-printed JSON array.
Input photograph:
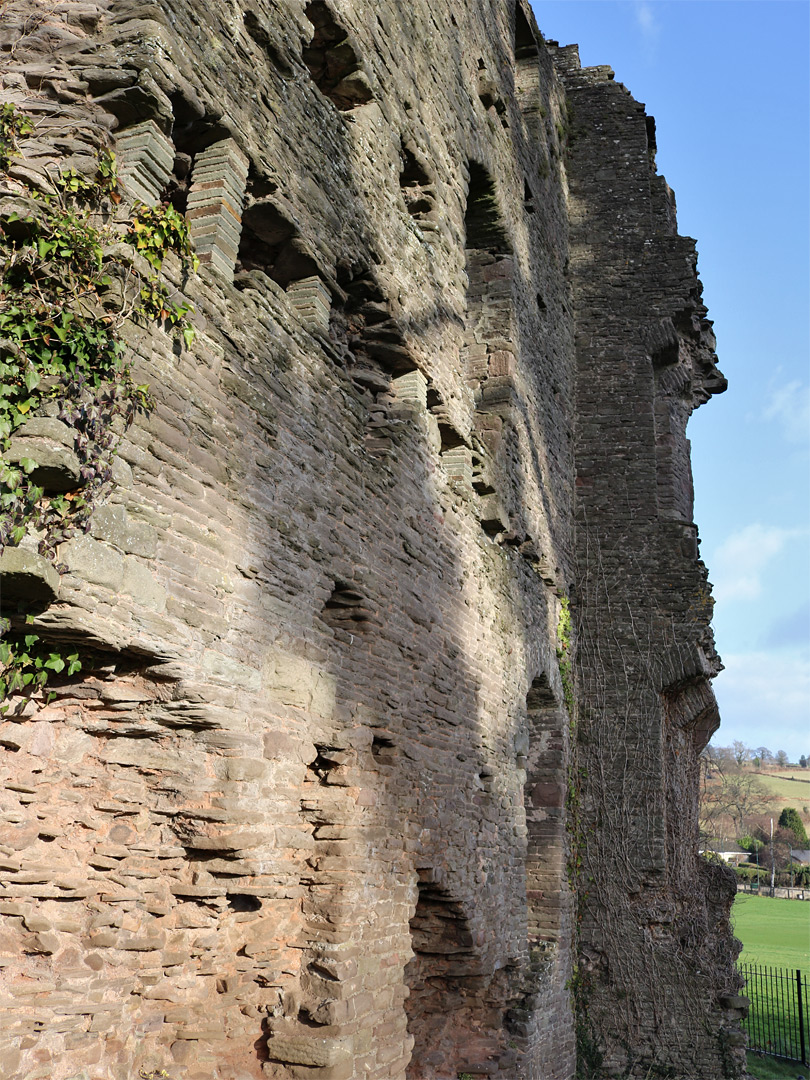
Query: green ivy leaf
[{"x": 32, "y": 379}]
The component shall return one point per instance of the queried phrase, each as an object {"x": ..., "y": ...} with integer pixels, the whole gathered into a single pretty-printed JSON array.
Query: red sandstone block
[
  {"x": 547, "y": 795},
  {"x": 502, "y": 363},
  {"x": 503, "y": 269},
  {"x": 366, "y": 797}
]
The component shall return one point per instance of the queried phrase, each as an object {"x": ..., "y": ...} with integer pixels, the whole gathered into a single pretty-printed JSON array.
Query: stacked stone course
[{"x": 318, "y": 808}]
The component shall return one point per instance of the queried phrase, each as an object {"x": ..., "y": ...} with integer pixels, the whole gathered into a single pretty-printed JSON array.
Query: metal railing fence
[{"x": 777, "y": 1022}]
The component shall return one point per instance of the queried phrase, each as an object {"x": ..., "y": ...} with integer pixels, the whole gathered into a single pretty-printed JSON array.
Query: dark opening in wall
[
  {"x": 441, "y": 981},
  {"x": 541, "y": 749},
  {"x": 451, "y": 439},
  {"x": 272, "y": 243},
  {"x": 527, "y": 66},
  {"x": 192, "y": 134},
  {"x": 483, "y": 223},
  {"x": 525, "y": 42},
  {"x": 176, "y": 190},
  {"x": 383, "y": 749},
  {"x": 649, "y": 123},
  {"x": 488, "y": 348},
  {"x": 540, "y": 695},
  {"x": 332, "y": 61},
  {"x": 415, "y": 182},
  {"x": 348, "y": 609},
  {"x": 364, "y": 327},
  {"x": 243, "y": 902}
]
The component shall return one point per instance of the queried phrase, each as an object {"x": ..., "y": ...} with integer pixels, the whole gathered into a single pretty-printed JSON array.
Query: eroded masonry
[{"x": 394, "y": 637}]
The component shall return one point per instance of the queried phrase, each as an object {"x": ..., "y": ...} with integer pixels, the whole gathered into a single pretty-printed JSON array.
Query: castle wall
[
  {"x": 284, "y": 827},
  {"x": 307, "y": 812},
  {"x": 656, "y": 983}
]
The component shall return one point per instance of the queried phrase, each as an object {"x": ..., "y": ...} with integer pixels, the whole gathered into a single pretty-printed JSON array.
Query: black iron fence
[{"x": 777, "y": 1022}]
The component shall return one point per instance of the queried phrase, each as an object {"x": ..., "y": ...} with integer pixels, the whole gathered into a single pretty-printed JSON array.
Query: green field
[
  {"x": 773, "y": 931},
  {"x": 775, "y": 934},
  {"x": 767, "y": 1068},
  {"x": 797, "y": 791}
]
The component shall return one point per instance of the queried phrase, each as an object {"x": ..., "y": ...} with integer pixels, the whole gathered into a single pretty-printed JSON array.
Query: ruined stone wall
[
  {"x": 307, "y": 811},
  {"x": 653, "y": 918}
]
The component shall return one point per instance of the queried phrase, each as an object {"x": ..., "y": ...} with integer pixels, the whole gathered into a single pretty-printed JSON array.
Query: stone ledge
[{"x": 26, "y": 578}]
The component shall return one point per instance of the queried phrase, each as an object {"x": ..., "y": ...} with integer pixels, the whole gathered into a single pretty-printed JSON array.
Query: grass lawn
[
  {"x": 767, "y": 1068},
  {"x": 775, "y": 934},
  {"x": 797, "y": 791},
  {"x": 773, "y": 931}
]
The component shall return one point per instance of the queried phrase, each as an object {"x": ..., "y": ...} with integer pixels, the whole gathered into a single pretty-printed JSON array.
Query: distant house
[
  {"x": 728, "y": 850},
  {"x": 800, "y": 856}
]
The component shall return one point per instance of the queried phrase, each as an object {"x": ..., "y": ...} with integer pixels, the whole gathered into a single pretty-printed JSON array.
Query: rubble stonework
[{"x": 330, "y": 801}]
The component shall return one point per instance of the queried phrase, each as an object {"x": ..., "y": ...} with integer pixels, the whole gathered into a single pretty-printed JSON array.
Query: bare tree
[
  {"x": 781, "y": 759},
  {"x": 719, "y": 758},
  {"x": 741, "y": 752},
  {"x": 764, "y": 754},
  {"x": 736, "y": 795},
  {"x": 744, "y": 795}
]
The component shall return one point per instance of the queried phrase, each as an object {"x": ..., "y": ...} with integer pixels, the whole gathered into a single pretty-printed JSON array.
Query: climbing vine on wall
[
  {"x": 27, "y": 663},
  {"x": 68, "y": 287},
  {"x": 70, "y": 281},
  {"x": 564, "y": 654},
  {"x": 13, "y": 126}
]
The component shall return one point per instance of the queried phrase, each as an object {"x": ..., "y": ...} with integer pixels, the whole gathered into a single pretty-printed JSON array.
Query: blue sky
[{"x": 727, "y": 81}]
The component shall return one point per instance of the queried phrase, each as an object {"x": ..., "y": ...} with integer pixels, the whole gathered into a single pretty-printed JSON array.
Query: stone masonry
[{"x": 328, "y": 804}]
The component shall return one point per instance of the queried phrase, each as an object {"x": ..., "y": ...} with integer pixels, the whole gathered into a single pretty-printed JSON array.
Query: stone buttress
[{"x": 656, "y": 984}]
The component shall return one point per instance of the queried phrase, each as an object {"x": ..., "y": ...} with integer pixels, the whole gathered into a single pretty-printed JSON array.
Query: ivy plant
[
  {"x": 66, "y": 294},
  {"x": 155, "y": 231},
  {"x": 13, "y": 125},
  {"x": 564, "y": 654},
  {"x": 68, "y": 289},
  {"x": 26, "y": 664}
]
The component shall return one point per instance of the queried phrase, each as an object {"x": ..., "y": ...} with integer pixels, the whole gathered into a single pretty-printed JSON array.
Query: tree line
[
  {"x": 735, "y": 805},
  {"x": 760, "y": 757}
]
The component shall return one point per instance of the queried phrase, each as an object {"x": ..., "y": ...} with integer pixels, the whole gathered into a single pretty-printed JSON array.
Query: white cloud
[
  {"x": 790, "y": 629},
  {"x": 764, "y": 699},
  {"x": 645, "y": 18},
  {"x": 647, "y": 24},
  {"x": 789, "y": 406},
  {"x": 740, "y": 561}
]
